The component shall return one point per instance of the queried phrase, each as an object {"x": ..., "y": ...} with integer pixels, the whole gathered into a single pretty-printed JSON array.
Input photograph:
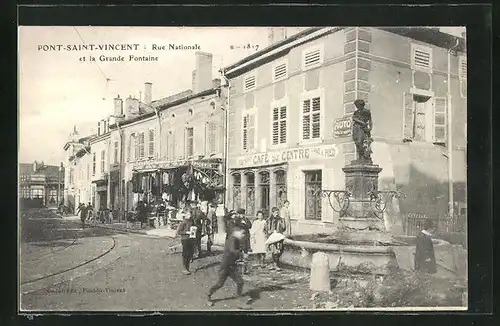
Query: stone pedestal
[
  {"x": 320, "y": 272},
  {"x": 361, "y": 177}
]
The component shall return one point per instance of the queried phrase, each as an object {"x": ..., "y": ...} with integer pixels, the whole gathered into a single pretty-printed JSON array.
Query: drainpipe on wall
[
  {"x": 120, "y": 190},
  {"x": 450, "y": 141},
  {"x": 226, "y": 147}
]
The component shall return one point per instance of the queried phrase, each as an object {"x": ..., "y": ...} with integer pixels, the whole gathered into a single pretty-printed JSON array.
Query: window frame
[
  {"x": 209, "y": 150},
  {"x": 94, "y": 166},
  {"x": 318, "y": 47},
  {"x": 103, "y": 161},
  {"x": 414, "y": 47},
  {"x": 142, "y": 149},
  {"x": 279, "y": 104},
  {"x": 276, "y": 65},
  {"x": 310, "y": 95},
  {"x": 245, "y": 77},
  {"x": 187, "y": 138},
  {"x": 115, "y": 152},
  {"x": 319, "y": 198},
  {"x": 445, "y": 125}
]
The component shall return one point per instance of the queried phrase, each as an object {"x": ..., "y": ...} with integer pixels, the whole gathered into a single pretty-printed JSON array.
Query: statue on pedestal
[{"x": 361, "y": 131}]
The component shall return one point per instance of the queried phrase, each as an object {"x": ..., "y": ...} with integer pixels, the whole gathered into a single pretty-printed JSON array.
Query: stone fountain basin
[{"x": 364, "y": 252}]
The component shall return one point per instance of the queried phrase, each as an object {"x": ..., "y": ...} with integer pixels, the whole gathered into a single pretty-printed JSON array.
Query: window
[
  {"x": 250, "y": 194},
  {"x": 141, "y": 145},
  {"x": 93, "y": 166},
  {"x": 129, "y": 147},
  {"x": 171, "y": 146},
  {"x": 421, "y": 58},
  {"x": 312, "y": 58},
  {"x": 279, "y": 128},
  {"x": 115, "y": 156},
  {"x": 189, "y": 142},
  {"x": 424, "y": 118},
  {"x": 280, "y": 71},
  {"x": 249, "y": 83},
  {"x": 281, "y": 191},
  {"x": 462, "y": 74},
  {"x": 440, "y": 119},
  {"x": 211, "y": 138},
  {"x": 103, "y": 160},
  {"x": 88, "y": 171},
  {"x": 236, "y": 191},
  {"x": 312, "y": 110},
  {"x": 313, "y": 196},
  {"x": 151, "y": 147},
  {"x": 264, "y": 185},
  {"x": 248, "y": 132}
]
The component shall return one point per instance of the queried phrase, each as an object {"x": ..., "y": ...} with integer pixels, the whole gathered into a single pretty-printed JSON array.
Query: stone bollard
[{"x": 320, "y": 273}]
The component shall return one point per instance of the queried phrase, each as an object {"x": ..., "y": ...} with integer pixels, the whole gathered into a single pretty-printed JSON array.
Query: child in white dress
[{"x": 258, "y": 237}]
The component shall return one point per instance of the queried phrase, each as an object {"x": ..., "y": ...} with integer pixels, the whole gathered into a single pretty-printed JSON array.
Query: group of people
[
  {"x": 85, "y": 212},
  {"x": 242, "y": 237}
]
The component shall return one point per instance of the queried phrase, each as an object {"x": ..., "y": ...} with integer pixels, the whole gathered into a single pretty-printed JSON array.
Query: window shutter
[
  {"x": 316, "y": 118},
  {"x": 306, "y": 119},
  {"x": 422, "y": 57},
  {"x": 408, "y": 115},
  {"x": 244, "y": 136},
  {"x": 283, "y": 125},
  {"x": 251, "y": 131},
  {"x": 440, "y": 119},
  {"x": 151, "y": 143},
  {"x": 276, "y": 119},
  {"x": 212, "y": 131}
]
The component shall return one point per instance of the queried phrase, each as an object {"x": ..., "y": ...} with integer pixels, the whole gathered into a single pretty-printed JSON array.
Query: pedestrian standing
[
  {"x": 276, "y": 224},
  {"x": 258, "y": 238},
  {"x": 246, "y": 225},
  {"x": 425, "y": 260},
  {"x": 228, "y": 266},
  {"x": 212, "y": 226},
  {"x": 199, "y": 219},
  {"x": 285, "y": 214},
  {"x": 82, "y": 210},
  {"x": 187, "y": 233}
]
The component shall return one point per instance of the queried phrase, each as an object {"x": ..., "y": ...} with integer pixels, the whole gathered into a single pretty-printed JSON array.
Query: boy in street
[
  {"x": 228, "y": 266},
  {"x": 276, "y": 224},
  {"x": 187, "y": 232}
]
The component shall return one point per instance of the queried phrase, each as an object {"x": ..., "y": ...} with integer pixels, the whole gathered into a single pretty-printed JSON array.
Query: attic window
[
  {"x": 312, "y": 58},
  {"x": 421, "y": 57},
  {"x": 280, "y": 71},
  {"x": 250, "y": 83}
]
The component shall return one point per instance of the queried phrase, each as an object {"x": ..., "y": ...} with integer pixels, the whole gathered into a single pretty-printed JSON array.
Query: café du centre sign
[{"x": 288, "y": 155}]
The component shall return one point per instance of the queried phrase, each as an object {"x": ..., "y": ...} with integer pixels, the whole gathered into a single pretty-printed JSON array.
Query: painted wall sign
[
  {"x": 342, "y": 127},
  {"x": 288, "y": 155},
  {"x": 174, "y": 164}
]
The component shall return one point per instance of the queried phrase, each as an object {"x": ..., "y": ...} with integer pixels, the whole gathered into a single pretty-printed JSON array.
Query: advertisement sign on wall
[{"x": 342, "y": 127}]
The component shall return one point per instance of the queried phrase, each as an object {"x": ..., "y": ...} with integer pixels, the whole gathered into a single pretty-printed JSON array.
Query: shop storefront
[
  {"x": 265, "y": 180},
  {"x": 100, "y": 196},
  {"x": 200, "y": 180}
]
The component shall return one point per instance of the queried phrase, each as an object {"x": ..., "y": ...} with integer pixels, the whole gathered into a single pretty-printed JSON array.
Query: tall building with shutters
[{"x": 290, "y": 120}]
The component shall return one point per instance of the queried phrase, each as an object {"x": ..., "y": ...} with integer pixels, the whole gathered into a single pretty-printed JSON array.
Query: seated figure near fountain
[{"x": 361, "y": 131}]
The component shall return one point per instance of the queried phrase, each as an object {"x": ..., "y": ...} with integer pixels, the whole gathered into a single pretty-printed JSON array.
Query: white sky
[{"x": 57, "y": 91}]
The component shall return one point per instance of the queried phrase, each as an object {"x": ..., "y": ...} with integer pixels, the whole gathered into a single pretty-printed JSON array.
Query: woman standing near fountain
[
  {"x": 258, "y": 237},
  {"x": 276, "y": 224}
]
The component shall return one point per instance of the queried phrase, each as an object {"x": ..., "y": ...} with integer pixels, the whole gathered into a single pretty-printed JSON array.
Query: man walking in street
[
  {"x": 229, "y": 266},
  {"x": 82, "y": 210},
  {"x": 199, "y": 220},
  {"x": 187, "y": 232},
  {"x": 425, "y": 260}
]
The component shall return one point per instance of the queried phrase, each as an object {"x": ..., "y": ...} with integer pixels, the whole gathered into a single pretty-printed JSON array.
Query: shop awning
[{"x": 151, "y": 166}]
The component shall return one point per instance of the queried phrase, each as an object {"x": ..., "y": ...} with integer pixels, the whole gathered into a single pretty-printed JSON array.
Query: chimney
[
  {"x": 118, "y": 111},
  {"x": 148, "y": 93},
  {"x": 276, "y": 34},
  {"x": 98, "y": 128},
  {"x": 35, "y": 166},
  {"x": 216, "y": 83},
  {"x": 203, "y": 72},
  {"x": 131, "y": 107},
  {"x": 193, "y": 81}
]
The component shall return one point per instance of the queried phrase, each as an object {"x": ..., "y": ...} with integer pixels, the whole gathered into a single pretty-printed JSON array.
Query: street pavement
[{"x": 99, "y": 269}]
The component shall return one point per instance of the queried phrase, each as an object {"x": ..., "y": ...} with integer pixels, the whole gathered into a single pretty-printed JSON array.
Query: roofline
[
  {"x": 258, "y": 58},
  {"x": 165, "y": 106},
  {"x": 272, "y": 47}
]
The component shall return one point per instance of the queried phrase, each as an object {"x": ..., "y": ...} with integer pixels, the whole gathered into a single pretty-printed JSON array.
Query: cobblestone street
[{"x": 138, "y": 273}]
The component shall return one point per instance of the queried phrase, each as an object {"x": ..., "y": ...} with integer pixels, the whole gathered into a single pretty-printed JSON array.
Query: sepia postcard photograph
[{"x": 242, "y": 168}]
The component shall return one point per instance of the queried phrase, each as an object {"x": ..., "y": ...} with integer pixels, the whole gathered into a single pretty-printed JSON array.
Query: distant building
[
  {"x": 290, "y": 119},
  {"x": 40, "y": 182}
]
